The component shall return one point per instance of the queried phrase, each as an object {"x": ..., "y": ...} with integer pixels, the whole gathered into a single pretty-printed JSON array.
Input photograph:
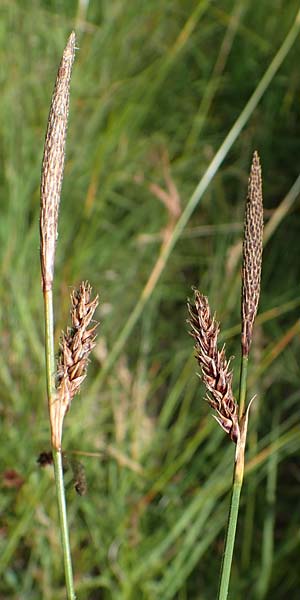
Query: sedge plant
[
  {"x": 231, "y": 415},
  {"x": 65, "y": 375}
]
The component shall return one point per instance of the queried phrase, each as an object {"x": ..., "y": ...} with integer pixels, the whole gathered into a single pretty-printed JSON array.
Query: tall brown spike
[
  {"x": 53, "y": 163},
  {"x": 252, "y": 253}
]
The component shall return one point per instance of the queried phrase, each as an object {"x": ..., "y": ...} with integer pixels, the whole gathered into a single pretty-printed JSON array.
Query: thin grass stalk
[
  {"x": 252, "y": 483},
  {"x": 251, "y": 276},
  {"x": 56, "y": 452},
  {"x": 51, "y": 182},
  {"x": 63, "y": 519},
  {"x": 215, "y": 368},
  {"x": 217, "y": 377},
  {"x": 238, "y": 476}
]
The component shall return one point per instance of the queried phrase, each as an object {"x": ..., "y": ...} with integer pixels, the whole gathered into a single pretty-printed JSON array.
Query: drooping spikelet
[
  {"x": 252, "y": 253},
  {"x": 216, "y": 374},
  {"x": 53, "y": 163},
  {"x": 75, "y": 347}
]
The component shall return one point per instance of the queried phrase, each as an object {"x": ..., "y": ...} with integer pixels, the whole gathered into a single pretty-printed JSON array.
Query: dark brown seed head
[
  {"x": 252, "y": 253},
  {"x": 216, "y": 373}
]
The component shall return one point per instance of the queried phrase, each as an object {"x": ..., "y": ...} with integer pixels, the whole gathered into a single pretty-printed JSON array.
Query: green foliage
[{"x": 156, "y": 87}]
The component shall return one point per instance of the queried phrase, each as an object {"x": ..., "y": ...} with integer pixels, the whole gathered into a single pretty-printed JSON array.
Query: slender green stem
[
  {"x": 238, "y": 476},
  {"x": 229, "y": 540},
  {"x": 63, "y": 521},
  {"x": 57, "y": 454}
]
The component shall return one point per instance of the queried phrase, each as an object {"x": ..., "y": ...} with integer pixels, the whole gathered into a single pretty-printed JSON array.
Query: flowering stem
[
  {"x": 56, "y": 452},
  {"x": 237, "y": 483},
  {"x": 229, "y": 540}
]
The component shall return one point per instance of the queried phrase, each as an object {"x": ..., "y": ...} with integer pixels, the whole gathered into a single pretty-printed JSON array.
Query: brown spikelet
[
  {"x": 252, "y": 253},
  {"x": 75, "y": 347},
  {"x": 216, "y": 373},
  {"x": 76, "y": 344},
  {"x": 53, "y": 163}
]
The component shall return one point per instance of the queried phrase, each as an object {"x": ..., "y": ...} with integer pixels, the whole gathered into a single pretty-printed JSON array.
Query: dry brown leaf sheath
[
  {"x": 252, "y": 253},
  {"x": 216, "y": 373},
  {"x": 53, "y": 163},
  {"x": 75, "y": 347}
]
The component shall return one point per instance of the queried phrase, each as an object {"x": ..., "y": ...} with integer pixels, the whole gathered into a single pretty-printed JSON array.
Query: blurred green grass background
[{"x": 156, "y": 88}]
